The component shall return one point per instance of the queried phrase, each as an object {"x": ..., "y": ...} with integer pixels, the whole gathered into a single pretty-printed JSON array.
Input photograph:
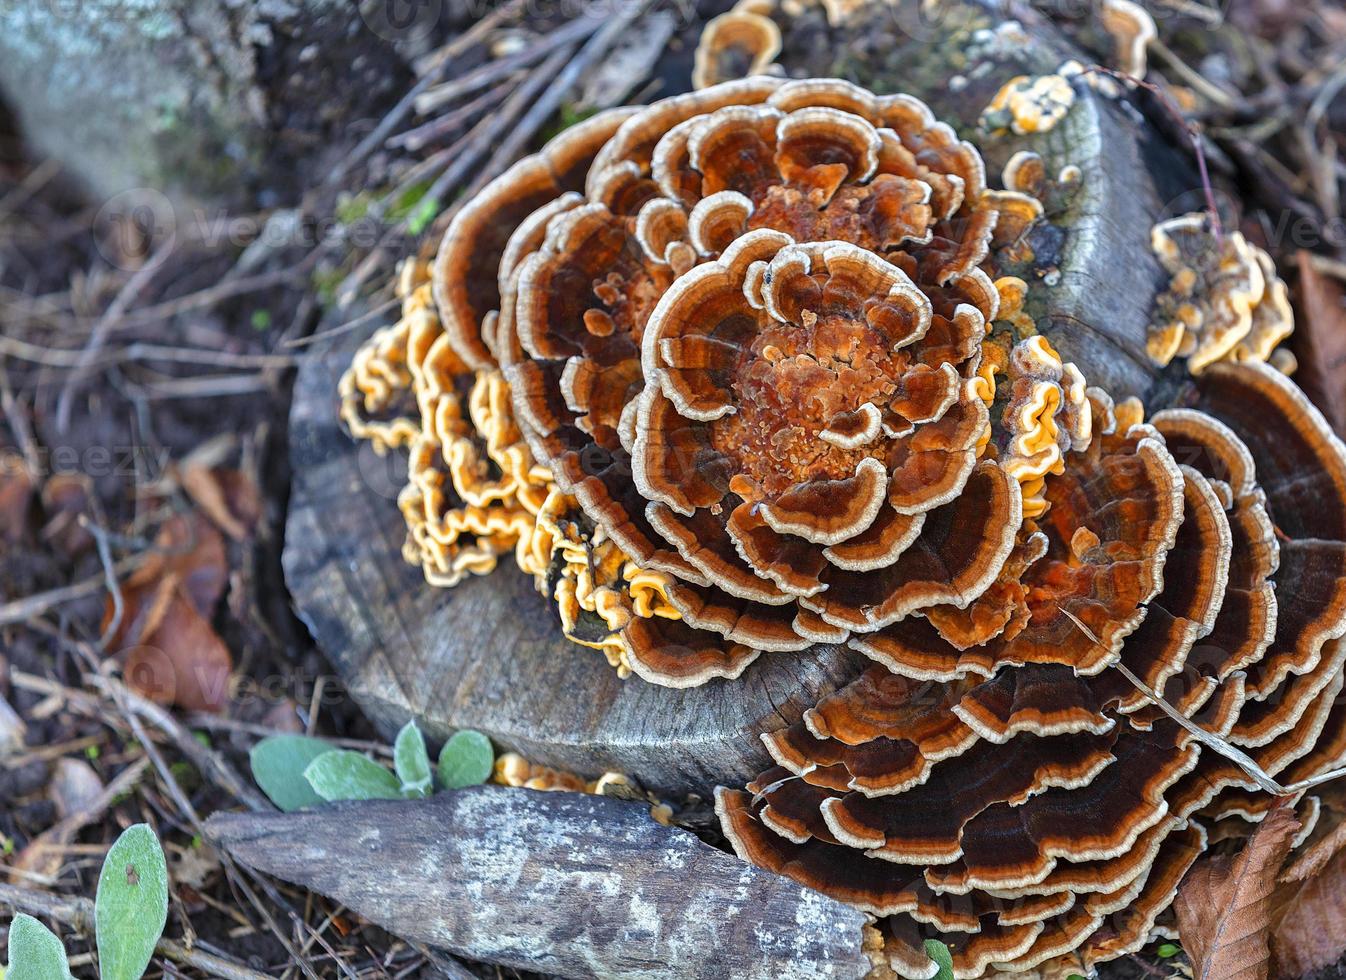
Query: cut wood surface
[
  {"x": 562, "y": 883},
  {"x": 489, "y": 654}
]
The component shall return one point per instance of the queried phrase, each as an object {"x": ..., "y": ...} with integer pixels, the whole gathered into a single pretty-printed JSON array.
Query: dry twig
[{"x": 1216, "y": 744}]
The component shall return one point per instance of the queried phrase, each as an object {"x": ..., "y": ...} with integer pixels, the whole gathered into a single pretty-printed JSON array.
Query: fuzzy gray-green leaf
[
  {"x": 132, "y": 904},
  {"x": 342, "y": 775},
  {"x": 466, "y": 760},
  {"x": 278, "y": 765},
  {"x": 412, "y": 762},
  {"x": 34, "y": 952}
]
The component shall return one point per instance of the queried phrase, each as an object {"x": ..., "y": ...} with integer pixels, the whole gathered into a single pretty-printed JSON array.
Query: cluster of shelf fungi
[{"x": 905, "y": 493}]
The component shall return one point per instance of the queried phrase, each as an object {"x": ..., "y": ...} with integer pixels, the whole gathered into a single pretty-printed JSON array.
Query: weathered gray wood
[
  {"x": 577, "y": 886},
  {"x": 488, "y": 654}
]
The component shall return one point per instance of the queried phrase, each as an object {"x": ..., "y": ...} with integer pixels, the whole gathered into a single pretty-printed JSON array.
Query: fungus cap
[{"x": 741, "y": 372}]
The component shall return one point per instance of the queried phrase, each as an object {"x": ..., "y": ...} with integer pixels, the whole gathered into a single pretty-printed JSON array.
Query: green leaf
[
  {"x": 413, "y": 762},
  {"x": 351, "y": 776},
  {"x": 132, "y": 904},
  {"x": 278, "y": 765},
  {"x": 938, "y": 952},
  {"x": 424, "y": 213},
  {"x": 1168, "y": 950},
  {"x": 466, "y": 760},
  {"x": 406, "y": 202},
  {"x": 34, "y": 952}
]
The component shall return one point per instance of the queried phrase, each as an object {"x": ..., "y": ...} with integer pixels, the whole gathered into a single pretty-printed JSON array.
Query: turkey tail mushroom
[
  {"x": 1239, "y": 625},
  {"x": 743, "y": 372}
]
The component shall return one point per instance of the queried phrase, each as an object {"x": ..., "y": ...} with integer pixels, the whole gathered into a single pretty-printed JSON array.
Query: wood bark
[
  {"x": 489, "y": 653},
  {"x": 563, "y": 883}
]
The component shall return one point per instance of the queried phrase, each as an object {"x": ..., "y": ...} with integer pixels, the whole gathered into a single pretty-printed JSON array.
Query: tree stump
[{"x": 489, "y": 655}]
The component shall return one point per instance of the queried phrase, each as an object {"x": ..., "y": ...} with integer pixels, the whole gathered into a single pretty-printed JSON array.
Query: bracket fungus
[
  {"x": 737, "y": 44},
  {"x": 1028, "y": 105},
  {"x": 1224, "y": 300},
  {"x": 1132, "y": 29},
  {"x": 742, "y": 372}
]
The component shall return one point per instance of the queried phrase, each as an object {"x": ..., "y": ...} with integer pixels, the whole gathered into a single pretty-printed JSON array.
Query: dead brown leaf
[
  {"x": 1315, "y": 857},
  {"x": 189, "y": 548},
  {"x": 16, "y": 498},
  {"x": 228, "y": 497},
  {"x": 195, "y": 866},
  {"x": 1311, "y": 933},
  {"x": 66, "y": 496},
  {"x": 1319, "y": 341},
  {"x": 183, "y": 662},
  {"x": 170, "y": 652},
  {"x": 74, "y": 787},
  {"x": 1224, "y": 904}
]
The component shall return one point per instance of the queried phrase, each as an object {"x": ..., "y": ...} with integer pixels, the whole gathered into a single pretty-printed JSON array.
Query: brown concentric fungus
[
  {"x": 735, "y": 45},
  {"x": 1132, "y": 29},
  {"x": 770, "y": 388},
  {"x": 1025, "y": 777}
]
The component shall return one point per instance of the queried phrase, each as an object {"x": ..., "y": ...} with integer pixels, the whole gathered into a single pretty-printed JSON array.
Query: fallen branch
[
  {"x": 66, "y": 358},
  {"x": 496, "y": 874}
]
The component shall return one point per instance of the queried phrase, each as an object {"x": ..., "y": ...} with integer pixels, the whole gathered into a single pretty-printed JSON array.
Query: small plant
[
  {"x": 130, "y": 910},
  {"x": 351, "y": 776},
  {"x": 425, "y": 211},
  {"x": 466, "y": 760},
  {"x": 34, "y": 952},
  {"x": 297, "y": 772},
  {"x": 413, "y": 762}
]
